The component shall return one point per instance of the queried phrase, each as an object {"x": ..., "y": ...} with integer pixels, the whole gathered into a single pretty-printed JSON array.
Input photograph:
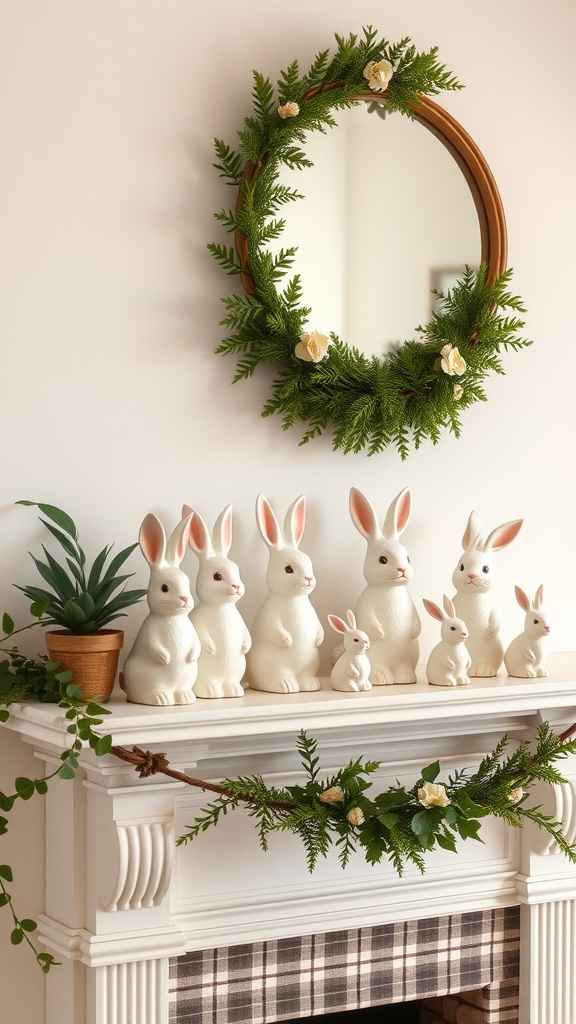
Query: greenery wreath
[{"x": 419, "y": 389}]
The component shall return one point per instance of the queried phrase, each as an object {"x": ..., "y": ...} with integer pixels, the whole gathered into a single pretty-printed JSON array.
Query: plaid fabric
[{"x": 347, "y": 970}]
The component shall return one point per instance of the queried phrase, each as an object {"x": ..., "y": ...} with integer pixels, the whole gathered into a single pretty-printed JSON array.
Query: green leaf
[
  {"x": 6, "y": 873},
  {"x": 4, "y": 899},
  {"x": 24, "y": 787},
  {"x": 7, "y": 624},
  {"x": 6, "y": 802},
  {"x": 431, "y": 773},
  {"x": 74, "y": 613},
  {"x": 65, "y": 772},
  {"x": 27, "y": 925},
  {"x": 38, "y": 608},
  {"x": 104, "y": 745},
  {"x": 62, "y": 519},
  {"x": 41, "y": 786},
  {"x": 469, "y": 829},
  {"x": 16, "y": 936},
  {"x": 4, "y": 715}
]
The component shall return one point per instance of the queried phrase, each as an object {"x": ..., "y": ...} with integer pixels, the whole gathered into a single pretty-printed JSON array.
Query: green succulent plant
[{"x": 81, "y": 599}]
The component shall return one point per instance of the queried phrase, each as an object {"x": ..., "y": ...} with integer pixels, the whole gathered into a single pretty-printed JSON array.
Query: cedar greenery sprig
[
  {"x": 403, "y": 824},
  {"x": 368, "y": 403},
  {"x": 28, "y": 679}
]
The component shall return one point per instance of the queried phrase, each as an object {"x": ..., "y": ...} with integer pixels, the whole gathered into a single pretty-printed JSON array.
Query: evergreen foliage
[
  {"x": 367, "y": 402},
  {"x": 399, "y": 824}
]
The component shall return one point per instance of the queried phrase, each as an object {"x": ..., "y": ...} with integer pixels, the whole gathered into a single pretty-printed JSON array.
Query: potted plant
[{"x": 82, "y": 601}]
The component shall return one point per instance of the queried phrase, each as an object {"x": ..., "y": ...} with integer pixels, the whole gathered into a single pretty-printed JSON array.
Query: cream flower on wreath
[
  {"x": 289, "y": 109},
  {"x": 433, "y": 794},
  {"x": 334, "y": 795},
  {"x": 312, "y": 347},
  {"x": 458, "y": 392},
  {"x": 356, "y": 816},
  {"x": 378, "y": 74},
  {"x": 452, "y": 362}
]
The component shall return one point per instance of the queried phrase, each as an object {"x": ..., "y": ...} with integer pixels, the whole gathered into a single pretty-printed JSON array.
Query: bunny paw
[
  {"x": 381, "y": 677},
  {"x": 183, "y": 697},
  {"x": 309, "y": 683},
  {"x": 483, "y": 670},
  {"x": 232, "y": 690}
]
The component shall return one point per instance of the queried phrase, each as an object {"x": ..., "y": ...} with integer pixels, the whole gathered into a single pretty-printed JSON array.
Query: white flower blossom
[
  {"x": 289, "y": 109},
  {"x": 312, "y": 347},
  {"x": 378, "y": 74},
  {"x": 516, "y": 795},
  {"x": 356, "y": 816},
  {"x": 334, "y": 795},
  {"x": 452, "y": 362},
  {"x": 458, "y": 392},
  {"x": 433, "y": 794}
]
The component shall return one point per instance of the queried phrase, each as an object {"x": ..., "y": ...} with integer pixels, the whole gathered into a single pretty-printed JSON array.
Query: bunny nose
[
  {"x": 235, "y": 586},
  {"x": 547, "y": 629},
  {"x": 308, "y": 579},
  {"x": 471, "y": 575},
  {"x": 183, "y": 598},
  {"x": 401, "y": 571}
]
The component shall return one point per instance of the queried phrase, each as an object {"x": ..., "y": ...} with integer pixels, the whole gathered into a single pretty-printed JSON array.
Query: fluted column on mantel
[
  {"x": 547, "y": 892},
  {"x": 110, "y": 854}
]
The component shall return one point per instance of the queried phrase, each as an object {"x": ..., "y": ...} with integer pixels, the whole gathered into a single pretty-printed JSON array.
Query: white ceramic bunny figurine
[
  {"x": 450, "y": 660},
  {"x": 526, "y": 655},
  {"x": 385, "y": 610},
  {"x": 162, "y": 666},
  {"x": 473, "y": 578},
  {"x": 352, "y": 670},
  {"x": 287, "y": 633},
  {"x": 220, "y": 627}
]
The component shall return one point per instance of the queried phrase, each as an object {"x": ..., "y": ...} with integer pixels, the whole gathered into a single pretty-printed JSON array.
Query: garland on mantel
[{"x": 402, "y": 824}]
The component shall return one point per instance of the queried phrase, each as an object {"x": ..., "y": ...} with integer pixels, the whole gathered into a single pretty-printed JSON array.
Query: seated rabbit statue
[
  {"x": 352, "y": 670},
  {"x": 473, "y": 578},
  {"x": 525, "y": 657},
  {"x": 162, "y": 666},
  {"x": 220, "y": 627},
  {"x": 287, "y": 633},
  {"x": 385, "y": 610},
  {"x": 450, "y": 660}
]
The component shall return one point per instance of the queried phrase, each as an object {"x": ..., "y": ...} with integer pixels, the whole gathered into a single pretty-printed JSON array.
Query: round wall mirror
[{"x": 371, "y": 250}]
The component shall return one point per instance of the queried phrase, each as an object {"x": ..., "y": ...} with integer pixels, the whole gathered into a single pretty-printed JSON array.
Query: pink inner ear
[
  {"x": 227, "y": 531},
  {"x": 504, "y": 535},
  {"x": 403, "y": 512},
  {"x": 268, "y": 523},
  {"x": 362, "y": 511},
  {"x": 433, "y": 609},
  {"x": 336, "y": 623},
  {"x": 152, "y": 539},
  {"x": 299, "y": 520},
  {"x": 197, "y": 533}
]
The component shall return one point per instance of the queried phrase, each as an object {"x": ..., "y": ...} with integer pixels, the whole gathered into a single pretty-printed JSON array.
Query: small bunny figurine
[
  {"x": 473, "y": 578},
  {"x": 162, "y": 666},
  {"x": 450, "y": 660},
  {"x": 385, "y": 610},
  {"x": 220, "y": 627},
  {"x": 526, "y": 656},
  {"x": 287, "y": 633},
  {"x": 351, "y": 671}
]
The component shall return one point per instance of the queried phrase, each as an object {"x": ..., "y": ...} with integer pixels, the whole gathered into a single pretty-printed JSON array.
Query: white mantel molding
[{"x": 118, "y": 908}]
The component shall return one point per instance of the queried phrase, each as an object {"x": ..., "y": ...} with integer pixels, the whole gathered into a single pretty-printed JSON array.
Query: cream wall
[{"x": 112, "y": 402}]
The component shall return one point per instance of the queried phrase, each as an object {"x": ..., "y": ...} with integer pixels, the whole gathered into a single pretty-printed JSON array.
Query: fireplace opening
[{"x": 397, "y": 1013}]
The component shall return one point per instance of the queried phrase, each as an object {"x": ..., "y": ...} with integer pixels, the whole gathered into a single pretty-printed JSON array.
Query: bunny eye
[
  {"x": 217, "y": 576},
  {"x": 288, "y": 569},
  {"x": 462, "y": 567},
  {"x": 536, "y": 622},
  {"x": 355, "y": 639},
  {"x": 383, "y": 560},
  {"x": 164, "y": 588},
  {"x": 485, "y": 568},
  {"x": 453, "y": 628}
]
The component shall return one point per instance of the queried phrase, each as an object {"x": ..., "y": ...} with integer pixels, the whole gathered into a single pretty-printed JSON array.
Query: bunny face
[
  {"x": 473, "y": 573},
  {"x": 218, "y": 581},
  {"x": 169, "y": 592},
  {"x": 453, "y": 631},
  {"x": 290, "y": 573},
  {"x": 387, "y": 562}
]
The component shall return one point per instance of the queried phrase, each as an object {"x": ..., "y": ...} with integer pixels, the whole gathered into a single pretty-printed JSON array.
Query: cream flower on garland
[
  {"x": 289, "y": 109},
  {"x": 458, "y": 392},
  {"x": 452, "y": 362},
  {"x": 433, "y": 794},
  {"x": 356, "y": 816},
  {"x": 334, "y": 795},
  {"x": 312, "y": 347},
  {"x": 516, "y": 795},
  {"x": 378, "y": 74}
]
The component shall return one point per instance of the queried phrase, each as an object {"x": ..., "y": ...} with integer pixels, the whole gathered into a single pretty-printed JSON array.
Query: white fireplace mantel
[{"x": 121, "y": 899}]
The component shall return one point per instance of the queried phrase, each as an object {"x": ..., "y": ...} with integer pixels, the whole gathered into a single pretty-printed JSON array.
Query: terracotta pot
[{"x": 92, "y": 658}]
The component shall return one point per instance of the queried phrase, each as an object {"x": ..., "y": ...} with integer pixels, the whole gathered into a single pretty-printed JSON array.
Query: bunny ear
[
  {"x": 351, "y": 618},
  {"x": 539, "y": 598},
  {"x": 222, "y": 532},
  {"x": 363, "y": 515},
  {"x": 433, "y": 610},
  {"x": 522, "y": 598},
  {"x": 199, "y": 538},
  {"x": 398, "y": 514},
  {"x": 152, "y": 540},
  {"x": 267, "y": 523},
  {"x": 502, "y": 536},
  {"x": 295, "y": 521},
  {"x": 449, "y": 606},
  {"x": 176, "y": 547},
  {"x": 338, "y": 624},
  {"x": 473, "y": 532}
]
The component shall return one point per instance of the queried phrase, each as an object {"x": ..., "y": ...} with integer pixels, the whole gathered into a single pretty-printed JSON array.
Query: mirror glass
[{"x": 387, "y": 216}]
